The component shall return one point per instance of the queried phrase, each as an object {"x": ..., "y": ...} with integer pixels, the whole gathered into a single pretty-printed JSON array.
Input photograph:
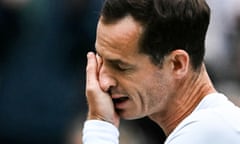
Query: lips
[{"x": 119, "y": 101}]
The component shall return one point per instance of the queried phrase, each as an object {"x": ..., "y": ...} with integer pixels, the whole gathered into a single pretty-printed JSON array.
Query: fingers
[
  {"x": 99, "y": 102},
  {"x": 91, "y": 70},
  {"x": 99, "y": 61}
]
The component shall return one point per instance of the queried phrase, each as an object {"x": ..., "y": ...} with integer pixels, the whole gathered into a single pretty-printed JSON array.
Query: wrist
[{"x": 112, "y": 120}]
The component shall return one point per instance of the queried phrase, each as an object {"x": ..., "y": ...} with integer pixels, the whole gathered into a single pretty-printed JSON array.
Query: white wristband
[{"x": 100, "y": 132}]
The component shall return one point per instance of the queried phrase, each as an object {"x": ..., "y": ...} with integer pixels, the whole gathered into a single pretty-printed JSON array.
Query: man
[{"x": 149, "y": 62}]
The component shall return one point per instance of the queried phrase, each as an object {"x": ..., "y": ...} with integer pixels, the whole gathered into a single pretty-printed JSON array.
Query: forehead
[{"x": 122, "y": 36}]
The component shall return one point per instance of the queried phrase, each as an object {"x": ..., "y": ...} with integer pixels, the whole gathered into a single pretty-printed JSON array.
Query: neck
[{"x": 189, "y": 93}]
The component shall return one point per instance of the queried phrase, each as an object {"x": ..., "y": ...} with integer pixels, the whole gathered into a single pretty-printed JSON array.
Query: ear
[{"x": 179, "y": 60}]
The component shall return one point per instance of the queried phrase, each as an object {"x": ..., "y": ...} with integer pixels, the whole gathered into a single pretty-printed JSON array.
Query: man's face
[{"x": 137, "y": 86}]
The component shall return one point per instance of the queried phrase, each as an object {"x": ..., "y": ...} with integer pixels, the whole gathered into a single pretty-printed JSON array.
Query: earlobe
[{"x": 180, "y": 63}]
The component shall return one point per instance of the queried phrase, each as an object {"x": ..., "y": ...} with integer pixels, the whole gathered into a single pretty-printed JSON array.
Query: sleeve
[{"x": 99, "y": 132}]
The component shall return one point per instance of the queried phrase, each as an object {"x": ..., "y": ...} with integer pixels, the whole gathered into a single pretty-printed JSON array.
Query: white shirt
[
  {"x": 100, "y": 132},
  {"x": 215, "y": 120}
]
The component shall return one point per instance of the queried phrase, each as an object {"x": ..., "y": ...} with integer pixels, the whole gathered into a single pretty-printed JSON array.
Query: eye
[
  {"x": 122, "y": 67},
  {"x": 118, "y": 65}
]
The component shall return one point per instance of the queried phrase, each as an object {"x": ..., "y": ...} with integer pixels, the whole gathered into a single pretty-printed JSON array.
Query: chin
[{"x": 129, "y": 116}]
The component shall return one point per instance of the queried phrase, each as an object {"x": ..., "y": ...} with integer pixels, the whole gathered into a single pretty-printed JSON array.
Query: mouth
[{"x": 119, "y": 100}]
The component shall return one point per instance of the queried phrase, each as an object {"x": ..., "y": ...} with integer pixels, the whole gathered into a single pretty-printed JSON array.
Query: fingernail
[{"x": 89, "y": 54}]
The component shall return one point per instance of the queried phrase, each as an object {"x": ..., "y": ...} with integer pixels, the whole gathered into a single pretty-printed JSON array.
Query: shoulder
[{"x": 216, "y": 125}]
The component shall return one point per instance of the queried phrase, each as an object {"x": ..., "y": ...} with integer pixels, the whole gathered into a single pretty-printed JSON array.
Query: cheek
[{"x": 157, "y": 92}]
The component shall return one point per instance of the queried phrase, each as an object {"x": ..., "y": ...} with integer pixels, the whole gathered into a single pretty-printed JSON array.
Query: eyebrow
[
  {"x": 117, "y": 61},
  {"x": 112, "y": 60}
]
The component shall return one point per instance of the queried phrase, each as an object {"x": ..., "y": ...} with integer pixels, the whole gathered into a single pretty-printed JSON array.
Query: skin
[{"x": 166, "y": 93}]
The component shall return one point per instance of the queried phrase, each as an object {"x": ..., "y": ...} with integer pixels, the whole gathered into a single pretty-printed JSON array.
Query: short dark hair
[{"x": 168, "y": 25}]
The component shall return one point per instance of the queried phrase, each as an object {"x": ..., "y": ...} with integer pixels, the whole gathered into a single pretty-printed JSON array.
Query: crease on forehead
[{"x": 120, "y": 35}]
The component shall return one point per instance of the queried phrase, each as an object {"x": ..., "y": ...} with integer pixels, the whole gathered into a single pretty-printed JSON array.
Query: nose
[{"x": 106, "y": 79}]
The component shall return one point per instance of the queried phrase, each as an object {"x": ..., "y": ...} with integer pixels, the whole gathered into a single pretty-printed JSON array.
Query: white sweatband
[{"x": 99, "y": 132}]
